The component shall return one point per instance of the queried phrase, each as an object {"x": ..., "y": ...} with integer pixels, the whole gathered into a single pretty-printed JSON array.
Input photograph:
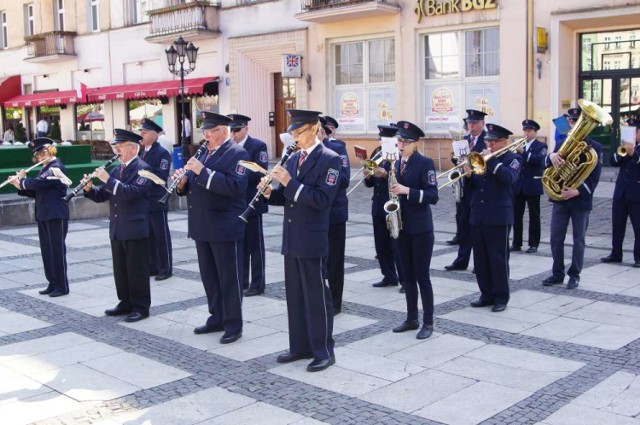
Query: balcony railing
[
  {"x": 309, "y": 5},
  {"x": 321, "y": 11},
  {"x": 52, "y": 44},
  {"x": 193, "y": 17}
]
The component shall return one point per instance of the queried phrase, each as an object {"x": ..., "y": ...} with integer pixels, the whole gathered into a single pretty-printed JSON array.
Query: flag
[{"x": 80, "y": 88}]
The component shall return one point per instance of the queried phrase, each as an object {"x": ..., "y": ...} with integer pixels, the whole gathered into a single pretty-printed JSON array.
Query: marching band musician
[
  {"x": 626, "y": 198},
  {"x": 339, "y": 215},
  {"x": 476, "y": 135},
  {"x": 576, "y": 206},
  {"x": 52, "y": 215},
  {"x": 308, "y": 185},
  {"x": 529, "y": 187},
  {"x": 215, "y": 187},
  {"x": 417, "y": 189},
  {"x": 454, "y": 160},
  {"x": 386, "y": 249},
  {"x": 253, "y": 276},
  {"x": 491, "y": 219},
  {"x": 127, "y": 194},
  {"x": 159, "y": 159}
]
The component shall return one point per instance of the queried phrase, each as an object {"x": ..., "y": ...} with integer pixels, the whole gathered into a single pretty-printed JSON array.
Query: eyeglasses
[
  {"x": 211, "y": 130},
  {"x": 300, "y": 131},
  {"x": 235, "y": 130}
]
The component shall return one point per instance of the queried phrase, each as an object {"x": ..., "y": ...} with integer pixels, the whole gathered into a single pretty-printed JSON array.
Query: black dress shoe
[
  {"x": 611, "y": 259},
  {"x": 552, "y": 280},
  {"x": 514, "y": 248},
  {"x": 45, "y": 291},
  {"x": 252, "y": 292},
  {"x": 480, "y": 303},
  {"x": 425, "y": 332},
  {"x": 402, "y": 290},
  {"x": 136, "y": 316},
  {"x": 289, "y": 357},
  {"x": 532, "y": 250},
  {"x": 337, "y": 310},
  {"x": 229, "y": 338},
  {"x": 153, "y": 274},
  {"x": 383, "y": 284},
  {"x": 117, "y": 311},
  {"x": 407, "y": 326},
  {"x": 207, "y": 329},
  {"x": 454, "y": 266},
  {"x": 58, "y": 293},
  {"x": 454, "y": 241},
  {"x": 498, "y": 308},
  {"x": 573, "y": 283},
  {"x": 318, "y": 365},
  {"x": 163, "y": 276}
]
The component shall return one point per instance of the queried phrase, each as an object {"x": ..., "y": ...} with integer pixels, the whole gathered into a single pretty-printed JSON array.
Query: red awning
[
  {"x": 193, "y": 86},
  {"x": 45, "y": 98},
  {"x": 9, "y": 87}
]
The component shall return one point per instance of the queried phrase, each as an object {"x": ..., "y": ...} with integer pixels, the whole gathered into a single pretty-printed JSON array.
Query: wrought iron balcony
[
  {"x": 337, "y": 10},
  {"x": 194, "y": 20},
  {"x": 50, "y": 46}
]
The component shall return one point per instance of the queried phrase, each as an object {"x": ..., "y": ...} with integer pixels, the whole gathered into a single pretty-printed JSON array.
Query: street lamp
[{"x": 180, "y": 51}]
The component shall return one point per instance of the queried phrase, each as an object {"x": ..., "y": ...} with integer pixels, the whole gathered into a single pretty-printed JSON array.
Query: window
[
  {"x": 94, "y": 15},
  {"x": 140, "y": 9},
  {"x": 618, "y": 41},
  {"x": 4, "y": 35},
  {"x": 29, "y": 28},
  {"x": 461, "y": 71},
  {"x": 364, "y": 84},
  {"x": 596, "y": 55},
  {"x": 59, "y": 15},
  {"x": 606, "y": 43}
]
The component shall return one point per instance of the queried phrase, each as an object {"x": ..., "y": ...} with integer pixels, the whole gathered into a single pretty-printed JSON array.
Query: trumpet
[
  {"x": 12, "y": 178},
  {"x": 622, "y": 150},
  {"x": 478, "y": 163},
  {"x": 201, "y": 150},
  {"x": 87, "y": 179}
]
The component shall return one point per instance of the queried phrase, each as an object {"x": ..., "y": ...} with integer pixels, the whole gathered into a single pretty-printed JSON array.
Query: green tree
[{"x": 20, "y": 133}]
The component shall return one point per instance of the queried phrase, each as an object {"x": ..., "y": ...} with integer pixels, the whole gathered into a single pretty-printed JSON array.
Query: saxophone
[{"x": 392, "y": 206}]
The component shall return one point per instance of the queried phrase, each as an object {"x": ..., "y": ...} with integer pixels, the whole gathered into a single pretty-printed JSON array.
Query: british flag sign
[{"x": 291, "y": 66}]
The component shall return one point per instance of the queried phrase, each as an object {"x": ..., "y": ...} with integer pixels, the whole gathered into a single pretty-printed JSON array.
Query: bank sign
[{"x": 442, "y": 7}]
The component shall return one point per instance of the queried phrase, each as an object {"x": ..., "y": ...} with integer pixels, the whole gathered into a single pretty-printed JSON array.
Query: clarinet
[
  {"x": 252, "y": 205},
  {"x": 201, "y": 150},
  {"x": 86, "y": 180}
]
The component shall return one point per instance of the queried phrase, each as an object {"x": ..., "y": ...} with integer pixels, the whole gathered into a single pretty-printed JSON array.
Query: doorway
[{"x": 285, "y": 98}]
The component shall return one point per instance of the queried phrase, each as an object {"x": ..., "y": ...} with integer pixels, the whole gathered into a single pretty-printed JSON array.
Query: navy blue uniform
[
  {"x": 528, "y": 192},
  {"x": 577, "y": 210},
  {"x": 254, "y": 254},
  {"x": 215, "y": 198},
  {"x": 52, "y": 215},
  {"x": 626, "y": 202},
  {"x": 128, "y": 196},
  {"x": 160, "y": 251},
  {"x": 307, "y": 199},
  {"x": 386, "y": 246},
  {"x": 338, "y": 224},
  {"x": 415, "y": 243},
  {"x": 491, "y": 218}
]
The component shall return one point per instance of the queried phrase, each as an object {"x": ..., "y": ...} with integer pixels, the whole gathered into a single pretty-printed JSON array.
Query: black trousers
[
  {"x": 458, "y": 218},
  {"x": 415, "y": 256},
  {"x": 220, "y": 268},
  {"x": 491, "y": 260},
  {"x": 465, "y": 243},
  {"x": 254, "y": 255},
  {"x": 335, "y": 262},
  {"x": 160, "y": 250},
  {"x": 131, "y": 273},
  {"x": 52, "y": 234},
  {"x": 309, "y": 308},
  {"x": 519, "y": 204},
  {"x": 620, "y": 211},
  {"x": 385, "y": 250}
]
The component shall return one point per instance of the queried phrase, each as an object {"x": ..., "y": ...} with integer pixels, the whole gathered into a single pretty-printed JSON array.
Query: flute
[
  {"x": 87, "y": 179},
  {"x": 12, "y": 178}
]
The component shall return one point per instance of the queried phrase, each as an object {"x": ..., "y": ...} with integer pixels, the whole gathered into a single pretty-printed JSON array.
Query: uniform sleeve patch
[
  {"x": 332, "y": 177},
  {"x": 141, "y": 181},
  {"x": 240, "y": 170},
  {"x": 345, "y": 160},
  {"x": 515, "y": 164},
  {"x": 164, "y": 164},
  {"x": 544, "y": 152},
  {"x": 431, "y": 175},
  {"x": 263, "y": 157},
  {"x": 46, "y": 174}
]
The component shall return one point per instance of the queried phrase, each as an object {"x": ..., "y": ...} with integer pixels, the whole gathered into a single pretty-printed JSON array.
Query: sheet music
[
  {"x": 389, "y": 147},
  {"x": 460, "y": 148},
  {"x": 286, "y": 139},
  {"x": 628, "y": 134}
]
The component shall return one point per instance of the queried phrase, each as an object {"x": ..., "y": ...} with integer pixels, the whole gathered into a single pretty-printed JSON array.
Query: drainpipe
[{"x": 530, "y": 60}]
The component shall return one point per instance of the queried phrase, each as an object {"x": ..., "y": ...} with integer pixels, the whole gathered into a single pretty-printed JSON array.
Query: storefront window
[
  {"x": 364, "y": 84},
  {"x": 141, "y": 109},
  {"x": 90, "y": 122},
  {"x": 442, "y": 56},
  {"x": 598, "y": 53}
]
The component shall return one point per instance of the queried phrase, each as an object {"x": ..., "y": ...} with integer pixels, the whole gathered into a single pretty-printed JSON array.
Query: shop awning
[
  {"x": 44, "y": 98},
  {"x": 192, "y": 86},
  {"x": 9, "y": 87}
]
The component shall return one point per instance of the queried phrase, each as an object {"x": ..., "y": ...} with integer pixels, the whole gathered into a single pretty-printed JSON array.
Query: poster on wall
[
  {"x": 382, "y": 106},
  {"x": 484, "y": 97},
  {"x": 442, "y": 108},
  {"x": 349, "y": 107}
]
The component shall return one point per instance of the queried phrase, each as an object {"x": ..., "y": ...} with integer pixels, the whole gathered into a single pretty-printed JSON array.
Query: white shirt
[
  {"x": 42, "y": 126},
  {"x": 186, "y": 127}
]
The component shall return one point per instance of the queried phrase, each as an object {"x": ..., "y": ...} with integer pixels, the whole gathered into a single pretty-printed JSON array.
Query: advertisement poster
[
  {"x": 484, "y": 97},
  {"x": 349, "y": 106},
  {"x": 442, "y": 108}
]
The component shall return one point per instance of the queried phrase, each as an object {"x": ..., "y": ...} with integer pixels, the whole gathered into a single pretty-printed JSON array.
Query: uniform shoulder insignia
[
  {"x": 515, "y": 164},
  {"x": 431, "y": 176},
  {"x": 141, "y": 181},
  {"x": 544, "y": 151},
  {"x": 263, "y": 157},
  {"x": 240, "y": 170},
  {"x": 332, "y": 177},
  {"x": 164, "y": 164},
  {"x": 345, "y": 160}
]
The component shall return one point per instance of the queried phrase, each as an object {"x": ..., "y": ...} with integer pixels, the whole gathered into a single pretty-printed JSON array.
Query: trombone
[{"x": 478, "y": 163}]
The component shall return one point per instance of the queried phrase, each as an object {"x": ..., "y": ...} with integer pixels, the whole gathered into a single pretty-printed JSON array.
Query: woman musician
[{"x": 52, "y": 214}]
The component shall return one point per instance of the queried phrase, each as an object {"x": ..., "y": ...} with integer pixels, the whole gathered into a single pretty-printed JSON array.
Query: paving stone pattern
[{"x": 553, "y": 357}]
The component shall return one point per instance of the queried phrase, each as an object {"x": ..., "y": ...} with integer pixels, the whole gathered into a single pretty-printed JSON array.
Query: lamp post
[{"x": 181, "y": 51}]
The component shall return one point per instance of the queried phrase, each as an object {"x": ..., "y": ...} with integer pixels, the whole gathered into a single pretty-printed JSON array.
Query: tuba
[
  {"x": 579, "y": 158},
  {"x": 392, "y": 206}
]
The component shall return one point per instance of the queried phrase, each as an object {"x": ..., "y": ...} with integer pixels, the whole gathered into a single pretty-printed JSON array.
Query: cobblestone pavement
[{"x": 553, "y": 357}]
